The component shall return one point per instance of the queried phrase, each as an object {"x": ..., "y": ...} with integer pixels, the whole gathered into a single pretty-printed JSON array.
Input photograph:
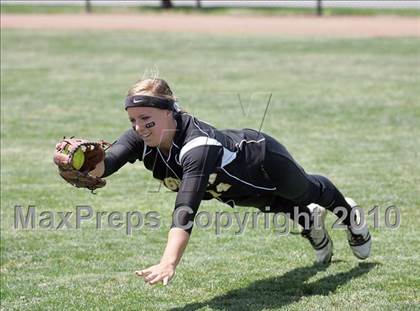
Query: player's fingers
[
  {"x": 166, "y": 280},
  {"x": 143, "y": 273},
  {"x": 155, "y": 280},
  {"x": 150, "y": 277}
]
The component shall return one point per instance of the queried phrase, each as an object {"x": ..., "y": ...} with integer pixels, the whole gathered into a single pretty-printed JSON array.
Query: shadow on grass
[{"x": 282, "y": 290}]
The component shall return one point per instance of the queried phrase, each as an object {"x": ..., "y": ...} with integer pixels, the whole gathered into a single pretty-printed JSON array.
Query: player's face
[{"x": 155, "y": 126}]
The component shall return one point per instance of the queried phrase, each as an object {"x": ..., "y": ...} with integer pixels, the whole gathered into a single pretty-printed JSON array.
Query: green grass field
[{"x": 346, "y": 108}]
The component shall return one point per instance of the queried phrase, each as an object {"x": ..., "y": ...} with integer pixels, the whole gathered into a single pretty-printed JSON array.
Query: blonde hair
[{"x": 152, "y": 87}]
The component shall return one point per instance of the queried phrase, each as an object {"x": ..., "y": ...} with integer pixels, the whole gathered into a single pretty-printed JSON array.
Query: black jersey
[{"x": 203, "y": 163}]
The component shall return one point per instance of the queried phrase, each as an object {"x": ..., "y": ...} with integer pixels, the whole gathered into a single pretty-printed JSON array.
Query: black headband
[{"x": 149, "y": 101}]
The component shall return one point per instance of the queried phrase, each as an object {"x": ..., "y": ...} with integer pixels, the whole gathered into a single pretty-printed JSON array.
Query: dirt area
[{"x": 345, "y": 26}]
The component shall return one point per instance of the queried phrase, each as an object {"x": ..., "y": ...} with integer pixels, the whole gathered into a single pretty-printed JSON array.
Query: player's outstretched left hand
[{"x": 162, "y": 272}]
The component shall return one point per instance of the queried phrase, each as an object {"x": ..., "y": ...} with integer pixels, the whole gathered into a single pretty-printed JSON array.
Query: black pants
[{"x": 296, "y": 188}]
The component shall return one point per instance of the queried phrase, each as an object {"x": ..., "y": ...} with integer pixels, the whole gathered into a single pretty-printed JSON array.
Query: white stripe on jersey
[
  {"x": 144, "y": 151},
  {"x": 248, "y": 183},
  {"x": 166, "y": 163},
  {"x": 228, "y": 156},
  {"x": 249, "y": 141}
]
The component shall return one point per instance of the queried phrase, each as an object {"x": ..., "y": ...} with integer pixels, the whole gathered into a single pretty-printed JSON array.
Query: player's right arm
[{"x": 127, "y": 148}]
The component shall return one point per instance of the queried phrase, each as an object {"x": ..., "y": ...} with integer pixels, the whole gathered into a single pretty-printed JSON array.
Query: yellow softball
[{"x": 78, "y": 159}]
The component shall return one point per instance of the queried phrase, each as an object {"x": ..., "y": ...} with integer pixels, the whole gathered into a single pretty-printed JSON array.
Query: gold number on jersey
[
  {"x": 172, "y": 183},
  {"x": 219, "y": 188}
]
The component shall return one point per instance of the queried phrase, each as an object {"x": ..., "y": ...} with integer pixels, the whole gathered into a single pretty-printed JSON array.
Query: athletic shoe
[
  {"x": 358, "y": 237},
  {"x": 318, "y": 235}
]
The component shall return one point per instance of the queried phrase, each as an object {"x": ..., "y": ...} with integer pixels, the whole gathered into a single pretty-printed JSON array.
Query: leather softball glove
[{"x": 75, "y": 158}]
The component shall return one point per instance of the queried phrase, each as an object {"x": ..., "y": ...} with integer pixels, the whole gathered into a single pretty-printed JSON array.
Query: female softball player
[{"x": 238, "y": 167}]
